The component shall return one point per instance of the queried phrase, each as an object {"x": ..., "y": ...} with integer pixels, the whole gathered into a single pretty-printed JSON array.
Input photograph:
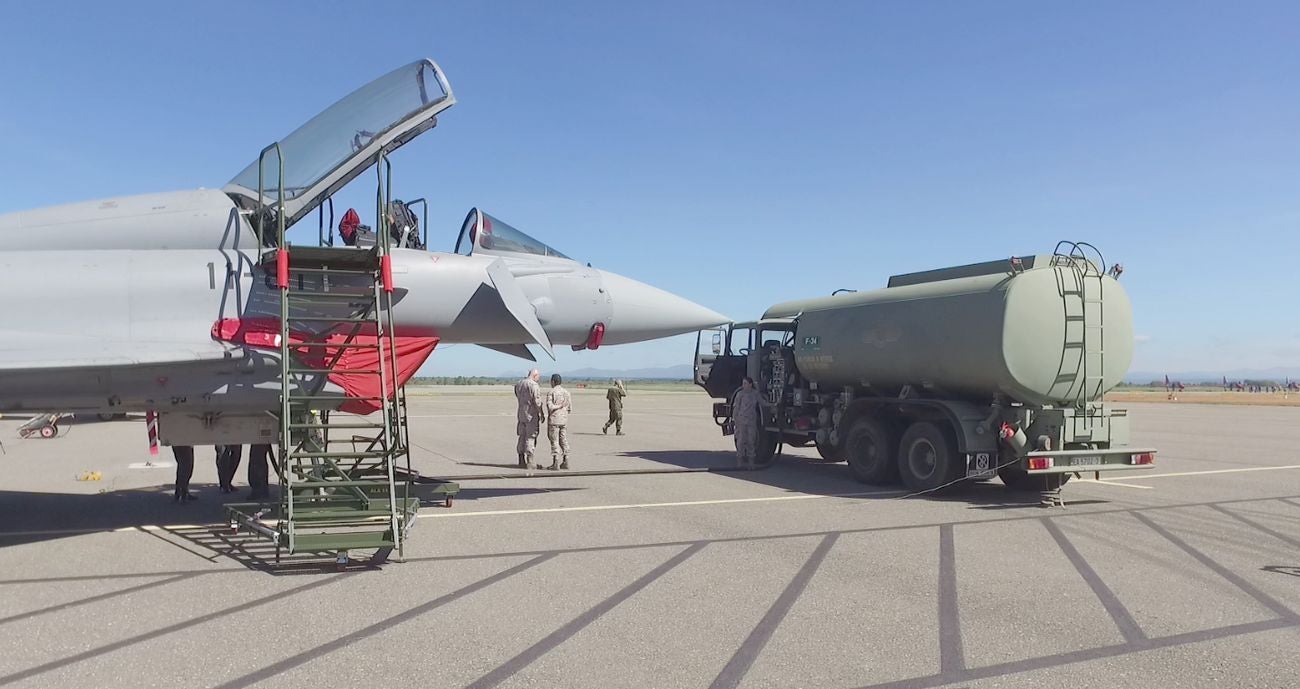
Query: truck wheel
[
  {"x": 1018, "y": 480},
  {"x": 830, "y": 453},
  {"x": 766, "y": 450},
  {"x": 926, "y": 459},
  {"x": 869, "y": 449}
]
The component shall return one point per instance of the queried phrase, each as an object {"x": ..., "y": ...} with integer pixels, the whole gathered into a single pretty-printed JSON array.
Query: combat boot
[
  {"x": 522, "y": 463},
  {"x": 565, "y": 463},
  {"x": 555, "y": 464},
  {"x": 605, "y": 429}
]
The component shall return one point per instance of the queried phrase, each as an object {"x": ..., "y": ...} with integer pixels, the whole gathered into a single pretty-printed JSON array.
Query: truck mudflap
[{"x": 1094, "y": 461}]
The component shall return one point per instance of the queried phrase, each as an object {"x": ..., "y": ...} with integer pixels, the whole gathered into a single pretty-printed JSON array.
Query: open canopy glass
[{"x": 335, "y": 146}]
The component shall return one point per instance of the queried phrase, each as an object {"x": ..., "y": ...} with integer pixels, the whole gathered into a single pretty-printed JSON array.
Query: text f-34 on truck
[{"x": 945, "y": 376}]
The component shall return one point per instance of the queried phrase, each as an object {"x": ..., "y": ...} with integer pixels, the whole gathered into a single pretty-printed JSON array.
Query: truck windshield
[{"x": 332, "y": 138}]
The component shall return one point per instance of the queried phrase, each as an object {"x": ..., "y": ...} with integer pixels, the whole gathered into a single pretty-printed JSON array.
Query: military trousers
[
  {"x": 746, "y": 443},
  {"x": 615, "y": 419},
  {"x": 527, "y": 432},
  {"x": 558, "y": 434}
]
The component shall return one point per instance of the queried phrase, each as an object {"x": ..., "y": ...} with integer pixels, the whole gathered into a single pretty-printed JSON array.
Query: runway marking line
[
  {"x": 1212, "y": 471},
  {"x": 1106, "y": 482},
  {"x": 683, "y": 503}
]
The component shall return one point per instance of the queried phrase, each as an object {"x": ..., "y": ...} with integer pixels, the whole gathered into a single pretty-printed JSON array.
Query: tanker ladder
[
  {"x": 335, "y": 496},
  {"x": 1080, "y": 282}
]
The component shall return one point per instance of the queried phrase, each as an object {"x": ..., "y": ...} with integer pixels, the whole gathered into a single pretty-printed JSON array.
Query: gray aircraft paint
[{"x": 113, "y": 302}]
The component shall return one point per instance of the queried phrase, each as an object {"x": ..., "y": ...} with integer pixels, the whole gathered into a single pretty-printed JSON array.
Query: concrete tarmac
[{"x": 1187, "y": 575}]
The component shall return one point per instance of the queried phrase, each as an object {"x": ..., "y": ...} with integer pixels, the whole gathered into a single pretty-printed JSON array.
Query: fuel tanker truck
[{"x": 944, "y": 376}]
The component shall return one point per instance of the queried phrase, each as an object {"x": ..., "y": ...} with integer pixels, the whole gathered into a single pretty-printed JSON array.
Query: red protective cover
[{"x": 264, "y": 333}]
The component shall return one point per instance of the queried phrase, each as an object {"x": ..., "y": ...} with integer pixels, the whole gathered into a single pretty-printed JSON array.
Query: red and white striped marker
[{"x": 151, "y": 422}]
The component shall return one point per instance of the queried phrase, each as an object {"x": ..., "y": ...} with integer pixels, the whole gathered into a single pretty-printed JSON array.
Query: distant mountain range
[
  {"x": 1276, "y": 373},
  {"x": 679, "y": 372}
]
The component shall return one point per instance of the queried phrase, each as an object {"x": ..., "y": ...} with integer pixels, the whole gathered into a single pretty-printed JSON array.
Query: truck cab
[{"x": 763, "y": 351}]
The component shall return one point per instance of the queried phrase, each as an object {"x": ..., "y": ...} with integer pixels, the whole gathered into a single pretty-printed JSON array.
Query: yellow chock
[{"x": 90, "y": 476}]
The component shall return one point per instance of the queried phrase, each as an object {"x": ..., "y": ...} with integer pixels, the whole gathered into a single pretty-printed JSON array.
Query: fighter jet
[{"x": 160, "y": 301}]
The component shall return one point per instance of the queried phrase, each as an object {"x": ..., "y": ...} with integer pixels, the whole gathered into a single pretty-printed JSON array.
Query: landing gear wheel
[
  {"x": 1018, "y": 480},
  {"x": 446, "y": 502},
  {"x": 50, "y": 431},
  {"x": 869, "y": 449},
  {"x": 926, "y": 459}
]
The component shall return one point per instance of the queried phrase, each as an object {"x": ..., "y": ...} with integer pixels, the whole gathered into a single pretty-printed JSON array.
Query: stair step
[
  {"x": 331, "y": 425},
  {"x": 344, "y": 511},
  {"x": 313, "y": 485},
  {"x": 341, "y": 345},
  {"x": 332, "y": 319},
  {"x": 318, "y": 256},
  {"x": 330, "y": 271},
  {"x": 343, "y": 541},
  {"x": 310, "y": 371},
  {"x": 337, "y": 455},
  {"x": 303, "y": 294}
]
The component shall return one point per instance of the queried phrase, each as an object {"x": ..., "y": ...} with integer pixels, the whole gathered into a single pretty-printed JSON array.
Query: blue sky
[{"x": 738, "y": 154}]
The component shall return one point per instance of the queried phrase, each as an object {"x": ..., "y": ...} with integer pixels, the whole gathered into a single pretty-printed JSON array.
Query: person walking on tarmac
[
  {"x": 228, "y": 458},
  {"x": 615, "y": 395},
  {"x": 745, "y": 416},
  {"x": 184, "y": 455},
  {"x": 528, "y": 418},
  {"x": 558, "y": 405}
]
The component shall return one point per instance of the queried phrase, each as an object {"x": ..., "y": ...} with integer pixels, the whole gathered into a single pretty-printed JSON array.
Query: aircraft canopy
[
  {"x": 482, "y": 231},
  {"x": 335, "y": 146}
]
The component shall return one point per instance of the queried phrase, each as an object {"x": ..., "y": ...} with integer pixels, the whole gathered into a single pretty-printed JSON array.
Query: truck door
[
  {"x": 708, "y": 346},
  {"x": 726, "y": 369}
]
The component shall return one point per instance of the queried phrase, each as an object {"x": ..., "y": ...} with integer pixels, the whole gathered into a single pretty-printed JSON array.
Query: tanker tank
[{"x": 1039, "y": 330}]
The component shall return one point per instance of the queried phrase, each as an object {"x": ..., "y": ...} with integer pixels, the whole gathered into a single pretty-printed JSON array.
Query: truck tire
[
  {"x": 830, "y": 453},
  {"x": 766, "y": 450},
  {"x": 1021, "y": 481},
  {"x": 869, "y": 448},
  {"x": 926, "y": 458}
]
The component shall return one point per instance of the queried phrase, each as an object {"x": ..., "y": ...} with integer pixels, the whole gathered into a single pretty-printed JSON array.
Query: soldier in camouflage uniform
[
  {"x": 528, "y": 418},
  {"x": 745, "y": 416},
  {"x": 615, "y": 395},
  {"x": 558, "y": 405}
]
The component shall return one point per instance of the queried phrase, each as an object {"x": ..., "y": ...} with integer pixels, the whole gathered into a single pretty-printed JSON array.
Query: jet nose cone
[{"x": 641, "y": 312}]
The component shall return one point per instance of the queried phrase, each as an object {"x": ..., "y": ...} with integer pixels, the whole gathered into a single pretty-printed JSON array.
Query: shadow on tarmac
[
  {"x": 799, "y": 474},
  {"x": 36, "y": 517}
]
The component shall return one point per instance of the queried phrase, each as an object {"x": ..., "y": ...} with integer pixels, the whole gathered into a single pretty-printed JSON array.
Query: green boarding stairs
[{"x": 339, "y": 485}]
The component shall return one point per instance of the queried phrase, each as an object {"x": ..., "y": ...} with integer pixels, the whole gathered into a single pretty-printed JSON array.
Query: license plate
[{"x": 1085, "y": 460}]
